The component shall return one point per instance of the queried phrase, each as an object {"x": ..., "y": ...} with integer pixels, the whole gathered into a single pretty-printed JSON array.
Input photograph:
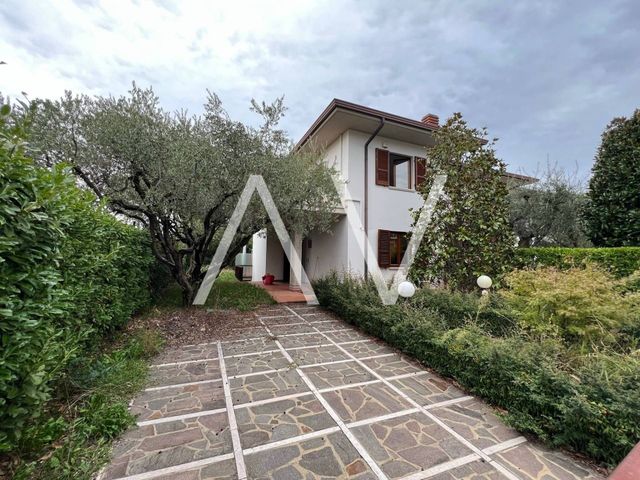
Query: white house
[{"x": 379, "y": 157}]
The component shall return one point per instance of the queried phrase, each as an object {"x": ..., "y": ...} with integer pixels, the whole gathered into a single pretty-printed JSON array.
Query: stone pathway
[{"x": 293, "y": 393}]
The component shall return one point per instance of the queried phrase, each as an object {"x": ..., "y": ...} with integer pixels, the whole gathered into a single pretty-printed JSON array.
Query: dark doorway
[{"x": 286, "y": 269}]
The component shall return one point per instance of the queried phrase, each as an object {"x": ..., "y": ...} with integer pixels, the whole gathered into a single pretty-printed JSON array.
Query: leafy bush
[
  {"x": 579, "y": 304},
  {"x": 621, "y": 262},
  {"x": 90, "y": 411},
  {"x": 70, "y": 272},
  {"x": 591, "y": 406}
]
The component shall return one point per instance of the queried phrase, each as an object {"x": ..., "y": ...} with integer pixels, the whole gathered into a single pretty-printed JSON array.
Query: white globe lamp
[
  {"x": 406, "y": 289},
  {"x": 484, "y": 282}
]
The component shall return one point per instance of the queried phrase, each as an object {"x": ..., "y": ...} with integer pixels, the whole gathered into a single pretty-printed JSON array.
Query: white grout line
[
  {"x": 183, "y": 362},
  {"x": 275, "y": 316},
  {"x": 233, "y": 426},
  {"x": 336, "y": 418},
  {"x": 382, "y": 418},
  {"x": 271, "y": 400},
  {"x": 446, "y": 403},
  {"x": 432, "y": 417},
  {"x": 458, "y": 462},
  {"x": 178, "y": 468},
  {"x": 252, "y": 374},
  {"x": 178, "y": 385},
  {"x": 202, "y": 413},
  {"x": 288, "y": 441},
  {"x": 499, "y": 447}
]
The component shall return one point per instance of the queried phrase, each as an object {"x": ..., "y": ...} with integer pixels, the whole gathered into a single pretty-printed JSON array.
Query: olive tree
[
  {"x": 469, "y": 233},
  {"x": 548, "y": 213},
  {"x": 181, "y": 175}
]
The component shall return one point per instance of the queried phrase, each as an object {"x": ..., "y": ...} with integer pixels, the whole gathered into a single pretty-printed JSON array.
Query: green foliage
[
  {"x": 72, "y": 441},
  {"x": 547, "y": 213},
  {"x": 613, "y": 211},
  {"x": 588, "y": 403},
  {"x": 620, "y": 262},
  {"x": 583, "y": 305},
  {"x": 469, "y": 234},
  {"x": 181, "y": 175},
  {"x": 227, "y": 293},
  {"x": 69, "y": 270}
]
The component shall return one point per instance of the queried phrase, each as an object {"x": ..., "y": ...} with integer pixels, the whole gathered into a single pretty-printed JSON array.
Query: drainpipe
[{"x": 366, "y": 194}]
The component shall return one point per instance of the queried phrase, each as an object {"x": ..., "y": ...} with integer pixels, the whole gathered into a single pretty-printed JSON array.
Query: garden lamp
[{"x": 406, "y": 289}]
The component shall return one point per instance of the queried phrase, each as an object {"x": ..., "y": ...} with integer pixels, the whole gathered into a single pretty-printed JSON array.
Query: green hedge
[
  {"x": 620, "y": 261},
  {"x": 70, "y": 273},
  {"x": 593, "y": 409}
]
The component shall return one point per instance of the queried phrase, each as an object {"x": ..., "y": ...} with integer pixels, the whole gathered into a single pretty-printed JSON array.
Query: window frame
[
  {"x": 401, "y": 243},
  {"x": 392, "y": 170}
]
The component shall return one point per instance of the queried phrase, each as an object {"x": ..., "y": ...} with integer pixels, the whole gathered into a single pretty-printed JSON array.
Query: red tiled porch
[{"x": 281, "y": 293}]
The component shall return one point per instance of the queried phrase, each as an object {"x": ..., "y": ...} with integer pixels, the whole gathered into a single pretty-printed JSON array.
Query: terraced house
[{"x": 380, "y": 158}]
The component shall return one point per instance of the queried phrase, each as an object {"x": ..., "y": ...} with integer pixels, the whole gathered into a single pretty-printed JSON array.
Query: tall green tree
[
  {"x": 547, "y": 213},
  {"x": 180, "y": 175},
  {"x": 612, "y": 213},
  {"x": 470, "y": 233}
]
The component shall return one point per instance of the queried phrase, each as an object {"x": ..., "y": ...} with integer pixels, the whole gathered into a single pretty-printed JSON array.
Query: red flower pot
[{"x": 268, "y": 279}]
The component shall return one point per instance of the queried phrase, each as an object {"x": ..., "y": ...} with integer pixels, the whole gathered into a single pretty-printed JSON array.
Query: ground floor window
[{"x": 391, "y": 248}]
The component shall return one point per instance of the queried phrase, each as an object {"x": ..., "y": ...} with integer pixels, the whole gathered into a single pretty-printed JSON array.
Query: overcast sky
[{"x": 543, "y": 76}]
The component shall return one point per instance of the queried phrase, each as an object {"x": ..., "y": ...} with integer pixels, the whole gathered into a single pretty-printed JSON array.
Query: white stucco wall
[{"x": 258, "y": 256}]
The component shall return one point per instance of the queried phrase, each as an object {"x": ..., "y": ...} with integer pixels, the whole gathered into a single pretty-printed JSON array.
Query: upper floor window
[{"x": 400, "y": 171}]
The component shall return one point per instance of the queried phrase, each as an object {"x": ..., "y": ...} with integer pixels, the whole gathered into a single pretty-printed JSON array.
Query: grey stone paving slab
[
  {"x": 289, "y": 329},
  {"x": 409, "y": 444},
  {"x": 178, "y": 401},
  {"x": 167, "y": 444},
  {"x": 225, "y": 470},
  {"x": 367, "y": 349},
  {"x": 427, "y": 389},
  {"x": 477, "y": 470},
  {"x": 193, "y": 352},
  {"x": 337, "y": 375},
  {"x": 190, "y": 372},
  {"x": 281, "y": 420},
  {"x": 365, "y": 401},
  {"x": 303, "y": 340},
  {"x": 393, "y": 365},
  {"x": 327, "y": 457},
  {"x": 476, "y": 422},
  {"x": 309, "y": 356},
  {"x": 530, "y": 461},
  {"x": 328, "y": 326},
  {"x": 266, "y": 386},
  {"x": 348, "y": 335},
  {"x": 244, "y": 333},
  {"x": 255, "y": 363},
  {"x": 248, "y": 346}
]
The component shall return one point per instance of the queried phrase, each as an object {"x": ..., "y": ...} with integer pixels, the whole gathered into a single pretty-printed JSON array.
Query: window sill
[{"x": 400, "y": 189}]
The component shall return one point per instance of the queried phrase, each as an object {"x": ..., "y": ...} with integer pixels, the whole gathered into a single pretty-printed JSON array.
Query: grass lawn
[{"x": 227, "y": 293}]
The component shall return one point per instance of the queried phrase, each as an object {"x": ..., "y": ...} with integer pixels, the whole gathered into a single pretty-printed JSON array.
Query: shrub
[
  {"x": 621, "y": 262},
  {"x": 591, "y": 406},
  {"x": 469, "y": 234},
  {"x": 612, "y": 212},
  {"x": 579, "y": 304},
  {"x": 70, "y": 271}
]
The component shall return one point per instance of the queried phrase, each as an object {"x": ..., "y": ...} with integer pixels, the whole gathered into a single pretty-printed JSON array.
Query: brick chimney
[{"x": 431, "y": 121}]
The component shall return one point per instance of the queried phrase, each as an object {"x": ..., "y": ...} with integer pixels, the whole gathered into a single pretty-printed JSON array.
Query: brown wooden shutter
[
  {"x": 382, "y": 167},
  {"x": 384, "y": 251},
  {"x": 421, "y": 171}
]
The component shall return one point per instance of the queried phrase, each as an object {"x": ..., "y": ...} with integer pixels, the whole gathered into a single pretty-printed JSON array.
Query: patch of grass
[
  {"x": 227, "y": 293},
  {"x": 72, "y": 440}
]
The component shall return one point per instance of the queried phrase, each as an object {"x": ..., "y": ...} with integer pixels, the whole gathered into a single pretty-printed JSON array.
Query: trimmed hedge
[
  {"x": 70, "y": 272},
  {"x": 620, "y": 261},
  {"x": 594, "y": 408}
]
